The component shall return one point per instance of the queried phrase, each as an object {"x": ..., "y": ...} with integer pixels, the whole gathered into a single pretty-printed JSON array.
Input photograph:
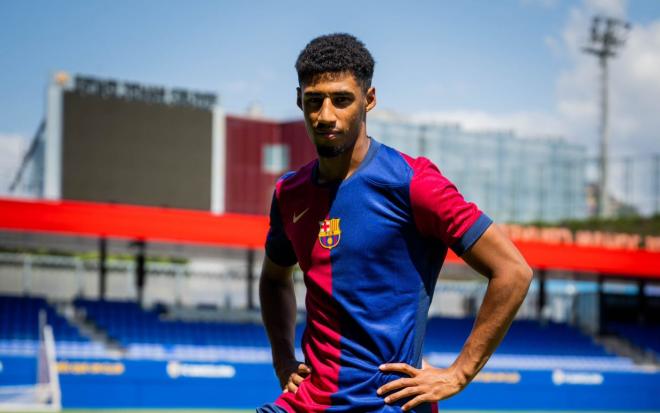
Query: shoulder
[
  {"x": 389, "y": 167},
  {"x": 425, "y": 174},
  {"x": 420, "y": 165},
  {"x": 395, "y": 168},
  {"x": 295, "y": 179}
]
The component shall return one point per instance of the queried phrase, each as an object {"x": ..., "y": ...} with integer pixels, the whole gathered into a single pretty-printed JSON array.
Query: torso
[{"x": 369, "y": 275}]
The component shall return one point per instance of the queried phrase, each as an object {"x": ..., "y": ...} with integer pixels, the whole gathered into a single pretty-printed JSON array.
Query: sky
[{"x": 509, "y": 64}]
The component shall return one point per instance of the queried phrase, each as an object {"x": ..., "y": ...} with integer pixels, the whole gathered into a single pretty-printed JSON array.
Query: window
[{"x": 275, "y": 158}]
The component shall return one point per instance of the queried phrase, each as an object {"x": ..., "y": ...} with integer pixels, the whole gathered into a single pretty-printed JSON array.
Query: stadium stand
[
  {"x": 195, "y": 363},
  {"x": 646, "y": 337},
  {"x": 128, "y": 323},
  {"x": 524, "y": 337},
  {"x": 529, "y": 345},
  {"x": 19, "y": 320},
  {"x": 19, "y": 330},
  {"x": 150, "y": 334}
]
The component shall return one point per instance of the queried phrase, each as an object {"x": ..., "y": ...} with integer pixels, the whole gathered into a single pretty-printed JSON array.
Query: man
[{"x": 370, "y": 228}]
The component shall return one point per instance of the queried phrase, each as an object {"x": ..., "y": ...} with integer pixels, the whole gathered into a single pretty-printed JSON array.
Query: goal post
[{"x": 45, "y": 394}]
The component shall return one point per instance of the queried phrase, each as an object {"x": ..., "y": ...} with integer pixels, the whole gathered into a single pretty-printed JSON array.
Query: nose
[{"x": 327, "y": 113}]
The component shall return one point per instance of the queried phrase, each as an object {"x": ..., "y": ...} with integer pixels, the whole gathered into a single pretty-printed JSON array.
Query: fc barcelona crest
[{"x": 329, "y": 233}]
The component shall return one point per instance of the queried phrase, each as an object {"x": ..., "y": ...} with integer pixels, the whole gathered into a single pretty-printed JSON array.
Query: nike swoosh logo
[{"x": 296, "y": 218}]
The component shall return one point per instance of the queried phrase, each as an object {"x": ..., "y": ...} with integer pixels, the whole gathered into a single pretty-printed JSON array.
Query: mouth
[{"x": 330, "y": 135}]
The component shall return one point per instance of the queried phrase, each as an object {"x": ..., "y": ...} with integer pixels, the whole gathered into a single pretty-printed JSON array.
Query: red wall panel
[
  {"x": 301, "y": 147},
  {"x": 249, "y": 186},
  {"x": 246, "y": 183}
]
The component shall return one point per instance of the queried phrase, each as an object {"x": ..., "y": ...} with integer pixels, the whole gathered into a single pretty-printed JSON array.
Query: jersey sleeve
[
  {"x": 278, "y": 245},
  {"x": 440, "y": 211}
]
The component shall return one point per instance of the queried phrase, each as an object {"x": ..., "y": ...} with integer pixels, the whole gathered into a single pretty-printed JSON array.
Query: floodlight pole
[
  {"x": 603, "y": 205},
  {"x": 606, "y": 35},
  {"x": 656, "y": 183}
]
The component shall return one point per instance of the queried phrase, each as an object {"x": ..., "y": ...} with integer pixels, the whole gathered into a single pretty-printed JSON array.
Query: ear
[
  {"x": 299, "y": 98},
  {"x": 371, "y": 98}
]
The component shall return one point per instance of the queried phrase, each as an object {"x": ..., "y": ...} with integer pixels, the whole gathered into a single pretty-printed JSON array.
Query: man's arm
[
  {"x": 278, "y": 311},
  {"x": 494, "y": 256}
]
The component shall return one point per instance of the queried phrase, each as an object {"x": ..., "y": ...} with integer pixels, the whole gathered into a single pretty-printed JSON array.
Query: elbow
[
  {"x": 516, "y": 277},
  {"x": 523, "y": 276}
]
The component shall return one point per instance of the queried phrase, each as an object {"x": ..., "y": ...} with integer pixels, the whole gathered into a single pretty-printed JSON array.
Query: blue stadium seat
[
  {"x": 524, "y": 337},
  {"x": 646, "y": 337},
  {"x": 130, "y": 325},
  {"x": 20, "y": 320}
]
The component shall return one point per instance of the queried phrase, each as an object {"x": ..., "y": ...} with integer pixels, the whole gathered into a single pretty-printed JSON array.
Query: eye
[
  {"x": 314, "y": 101},
  {"x": 342, "y": 101}
]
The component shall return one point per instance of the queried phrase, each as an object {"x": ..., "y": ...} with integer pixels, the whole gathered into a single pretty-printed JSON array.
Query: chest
[{"x": 358, "y": 222}]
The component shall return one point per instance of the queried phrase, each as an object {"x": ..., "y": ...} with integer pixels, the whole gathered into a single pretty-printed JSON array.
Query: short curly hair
[{"x": 335, "y": 53}]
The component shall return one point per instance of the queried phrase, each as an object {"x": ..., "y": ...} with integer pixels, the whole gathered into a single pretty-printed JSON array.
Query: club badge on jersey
[{"x": 329, "y": 233}]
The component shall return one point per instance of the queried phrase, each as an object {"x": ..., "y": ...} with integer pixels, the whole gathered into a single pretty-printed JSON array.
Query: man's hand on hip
[
  {"x": 292, "y": 374},
  {"x": 425, "y": 385}
]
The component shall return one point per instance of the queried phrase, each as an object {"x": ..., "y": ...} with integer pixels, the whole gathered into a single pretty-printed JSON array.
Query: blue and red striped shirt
[{"x": 370, "y": 248}]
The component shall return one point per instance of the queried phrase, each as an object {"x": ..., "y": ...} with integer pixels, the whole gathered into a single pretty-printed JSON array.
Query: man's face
[{"x": 334, "y": 106}]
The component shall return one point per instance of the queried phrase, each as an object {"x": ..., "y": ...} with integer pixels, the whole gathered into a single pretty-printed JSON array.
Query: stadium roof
[{"x": 187, "y": 227}]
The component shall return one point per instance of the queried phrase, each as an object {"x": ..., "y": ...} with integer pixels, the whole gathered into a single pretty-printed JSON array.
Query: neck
[{"x": 344, "y": 165}]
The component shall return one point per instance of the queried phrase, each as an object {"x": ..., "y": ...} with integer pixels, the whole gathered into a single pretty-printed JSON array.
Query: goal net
[{"x": 44, "y": 395}]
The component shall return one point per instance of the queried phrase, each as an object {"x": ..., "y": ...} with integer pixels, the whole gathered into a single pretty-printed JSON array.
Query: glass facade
[{"x": 512, "y": 178}]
